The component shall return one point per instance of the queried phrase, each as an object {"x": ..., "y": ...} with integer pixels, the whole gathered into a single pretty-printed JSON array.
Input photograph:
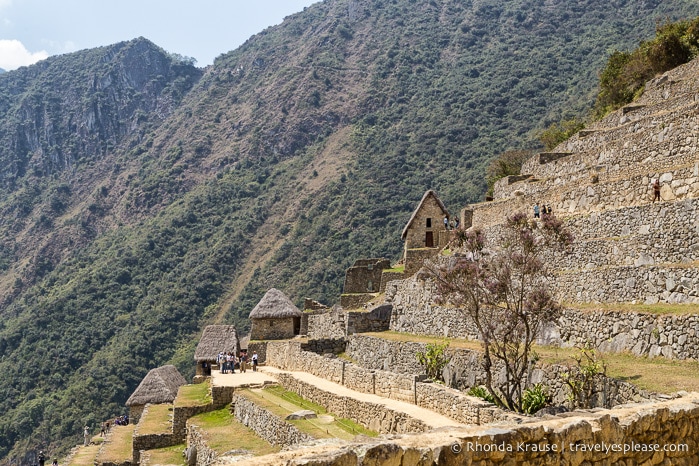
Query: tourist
[
  {"x": 446, "y": 222},
  {"x": 243, "y": 362},
  {"x": 86, "y": 436},
  {"x": 656, "y": 190},
  {"x": 55, "y": 462},
  {"x": 254, "y": 361},
  {"x": 537, "y": 210},
  {"x": 41, "y": 458}
]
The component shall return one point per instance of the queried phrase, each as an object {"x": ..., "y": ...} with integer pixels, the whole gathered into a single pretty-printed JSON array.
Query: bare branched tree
[{"x": 505, "y": 291}]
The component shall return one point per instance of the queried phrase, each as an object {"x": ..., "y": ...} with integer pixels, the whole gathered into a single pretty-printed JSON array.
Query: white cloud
[
  {"x": 5, "y": 3},
  {"x": 13, "y": 54}
]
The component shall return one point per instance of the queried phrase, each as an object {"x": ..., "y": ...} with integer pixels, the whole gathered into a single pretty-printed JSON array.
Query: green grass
[
  {"x": 119, "y": 448},
  {"x": 396, "y": 269},
  {"x": 157, "y": 420},
  {"x": 659, "y": 308},
  {"x": 281, "y": 403},
  {"x": 223, "y": 433},
  {"x": 85, "y": 456},
  {"x": 168, "y": 455},
  {"x": 193, "y": 395}
]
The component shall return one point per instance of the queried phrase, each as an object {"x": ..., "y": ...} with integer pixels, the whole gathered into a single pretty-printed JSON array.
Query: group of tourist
[
  {"x": 542, "y": 210},
  {"x": 121, "y": 420},
  {"x": 104, "y": 428},
  {"x": 451, "y": 224},
  {"x": 227, "y": 362}
]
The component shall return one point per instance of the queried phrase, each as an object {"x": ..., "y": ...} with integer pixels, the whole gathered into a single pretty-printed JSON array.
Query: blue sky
[{"x": 31, "y": 30}]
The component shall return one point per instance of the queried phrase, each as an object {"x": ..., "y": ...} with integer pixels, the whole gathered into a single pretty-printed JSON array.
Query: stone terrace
[{"x": 627, "y": 249}]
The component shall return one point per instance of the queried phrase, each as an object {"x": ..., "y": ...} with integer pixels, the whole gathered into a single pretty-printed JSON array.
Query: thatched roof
[
  {"x": 158, "y": 386},
  {"x": 216, "y": 338},
  {"x": 275, "y": 305},
  {"x": 429, "y": 193}
]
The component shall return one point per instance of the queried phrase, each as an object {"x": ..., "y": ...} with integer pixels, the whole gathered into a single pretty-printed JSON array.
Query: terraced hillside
[{"x": 627, "y": 248}]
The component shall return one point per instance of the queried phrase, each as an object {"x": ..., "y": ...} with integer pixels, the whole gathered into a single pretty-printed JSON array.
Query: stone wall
[
  {"x": 371, "y": 415},
  {"x": 387, "y": 276},
  {"x": 337, "y": 323},
  {"x": 197, "y": 445},
  {"x": 465, "y": 370},
  {"x": 634, "y": 435},
  {"x": 365, "y": 275},
  {"x": 388, "y": 384},
  {"x": 671, "y": 336},
  {"x": 265, "y": 424},
  {"x": 261, "y": 348},
  {"x": 415, "y": 258},
  {"x": 355, "y": 300},
  {"x": 151, "y": 441},
  {"x": 272, "y": 329}
]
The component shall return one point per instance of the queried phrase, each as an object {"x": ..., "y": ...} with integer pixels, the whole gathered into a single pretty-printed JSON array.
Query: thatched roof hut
[
  {"x": 160, "y": 385},
  {"x": 275, "y": 305},
  {"x": 217, "y": 338},
  {"x": 275, "y": 317}
]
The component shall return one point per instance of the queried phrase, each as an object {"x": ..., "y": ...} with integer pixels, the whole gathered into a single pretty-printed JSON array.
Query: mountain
[{"x": 143, "y": 198}]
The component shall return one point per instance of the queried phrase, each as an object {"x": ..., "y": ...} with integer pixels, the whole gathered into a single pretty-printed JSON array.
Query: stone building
[
  {"x": 365, "y": 275},
  {"x": 425, "y": 232},
  {"x": 215, "y": 339},
  {"x": 275, "y": 317},
  {"x": 159, "y": 386}
]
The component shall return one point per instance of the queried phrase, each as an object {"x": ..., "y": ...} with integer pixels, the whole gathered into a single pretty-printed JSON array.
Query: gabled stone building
[{"x": 425, "y": 232}]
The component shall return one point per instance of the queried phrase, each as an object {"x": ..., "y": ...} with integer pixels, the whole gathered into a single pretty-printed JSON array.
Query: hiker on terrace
[
  {"x": 537, "y": 211},
  {"x": 656, "y": 190},
  {"x": 243, "y": 362},
  {"x": 254, "y": 361},
  {"x": 446, "y": 222}
]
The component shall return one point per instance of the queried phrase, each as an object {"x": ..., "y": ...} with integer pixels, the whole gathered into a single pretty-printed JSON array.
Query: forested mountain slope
[{"x": 142, "y": 199}]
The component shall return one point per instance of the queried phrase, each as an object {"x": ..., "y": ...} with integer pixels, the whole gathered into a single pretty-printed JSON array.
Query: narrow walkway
[
  {"x": 246, "y": 379},
  {"x": 430, "y": 418}
]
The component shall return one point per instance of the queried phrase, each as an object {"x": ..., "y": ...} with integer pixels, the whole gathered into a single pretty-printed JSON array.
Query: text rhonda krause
[{"x": 576, "y": 447}]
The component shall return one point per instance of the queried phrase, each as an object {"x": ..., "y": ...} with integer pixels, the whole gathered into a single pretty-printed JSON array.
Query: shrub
[
  {"x": 482, "y": 393},
  {"x": 534, "y": 398},
  {"x": 434, "y": 360}
]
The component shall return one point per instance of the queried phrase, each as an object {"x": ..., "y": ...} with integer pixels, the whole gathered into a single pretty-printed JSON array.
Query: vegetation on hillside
[
  {"x": 140, "y": 203},
  {"x": 625, "y": 73}
]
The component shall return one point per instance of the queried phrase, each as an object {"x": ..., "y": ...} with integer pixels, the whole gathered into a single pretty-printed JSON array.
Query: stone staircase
[{"x": 627, "y": 248}]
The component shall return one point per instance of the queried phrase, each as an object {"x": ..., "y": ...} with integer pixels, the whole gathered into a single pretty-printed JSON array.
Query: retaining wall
[{"x": 265, "y": 424}]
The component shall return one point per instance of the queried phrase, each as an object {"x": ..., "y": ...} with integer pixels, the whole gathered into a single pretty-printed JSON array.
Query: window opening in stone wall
[{"x": 428, "y": 223}]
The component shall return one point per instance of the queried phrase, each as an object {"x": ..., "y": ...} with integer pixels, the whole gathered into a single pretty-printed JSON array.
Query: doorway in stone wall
[{"x": 429, "y": 240}]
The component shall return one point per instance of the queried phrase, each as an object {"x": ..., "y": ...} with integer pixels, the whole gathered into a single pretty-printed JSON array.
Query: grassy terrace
[
  {"x": 164, "y": 456},
  {"x": 659, "y": 308},
  {"x": 193, "y": 395},
  {"x": 84, "y": 456},
  {"x": 282, "y": 403},
  {"x": 157, "y": 420},
  {"x": 118, "y": 448},
  {"x": 223, "y": 433},
  {"x": 657, "y": 375}
]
